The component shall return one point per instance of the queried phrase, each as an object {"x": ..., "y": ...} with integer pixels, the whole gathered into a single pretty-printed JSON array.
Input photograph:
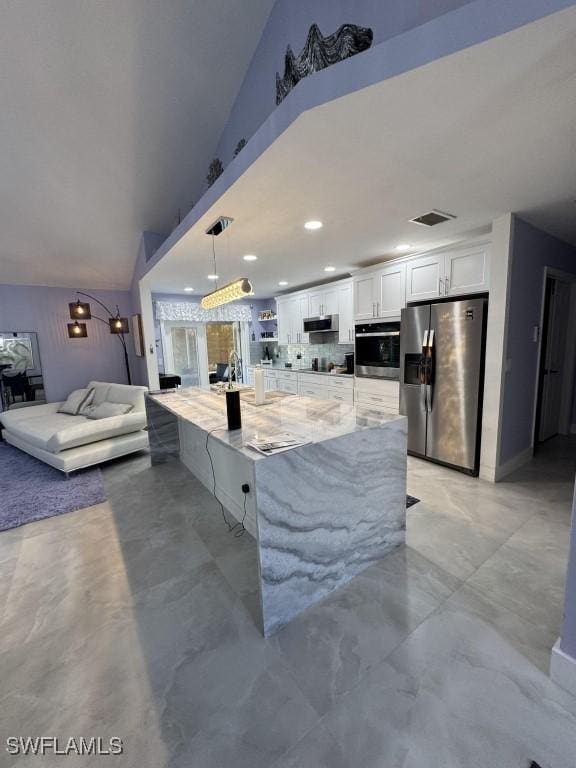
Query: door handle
[
  {"x": 440, "y": 286},
  {"x": 429, "y": 370},
  {"x": 423, "y": 372},
  {"x": 446, "y": 285}
]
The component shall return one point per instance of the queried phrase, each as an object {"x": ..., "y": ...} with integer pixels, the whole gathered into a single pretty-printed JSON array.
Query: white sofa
[{"x": 69, "y": 442}]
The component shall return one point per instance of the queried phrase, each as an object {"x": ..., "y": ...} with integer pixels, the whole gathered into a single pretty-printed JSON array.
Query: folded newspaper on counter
[{"x": 272, "y": 444}]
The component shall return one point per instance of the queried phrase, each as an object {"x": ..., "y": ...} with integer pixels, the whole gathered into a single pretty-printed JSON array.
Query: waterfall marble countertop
[
  {"x": 309, "y": 418},
  {"x": 320, "y": 513}
]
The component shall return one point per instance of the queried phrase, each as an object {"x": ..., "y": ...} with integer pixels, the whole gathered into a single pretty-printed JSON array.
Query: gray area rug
[{"x": 31, "y": 490}]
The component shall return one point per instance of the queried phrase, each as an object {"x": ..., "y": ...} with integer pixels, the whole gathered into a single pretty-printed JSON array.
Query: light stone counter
[{"x": 320, "y": 513}]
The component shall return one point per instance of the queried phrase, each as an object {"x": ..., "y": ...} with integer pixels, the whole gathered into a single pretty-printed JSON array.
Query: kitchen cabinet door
[
  {"x": 392, "y": 291},
  {"x": 323, "y": 302},
  {"x": 287, "y": 310},
  {"x": 283, "y": 320},
  {"x": 303, "y": 311},
  {"x": 315, "y": 303},
  {"x": 330, "y": 301},
  {"x": 424, "y": 278},
  {"x": 345, "y": 314},
  {"x": 365, "y": 292},
  {"x": 467, "y": 271}
]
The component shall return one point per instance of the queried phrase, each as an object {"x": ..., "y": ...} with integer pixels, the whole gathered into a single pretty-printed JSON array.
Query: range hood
[{"x": 322, "y": 324}]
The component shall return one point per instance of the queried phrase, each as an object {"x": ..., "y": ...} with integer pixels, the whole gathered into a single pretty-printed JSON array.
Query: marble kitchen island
[{"x": 320, "y": 513}]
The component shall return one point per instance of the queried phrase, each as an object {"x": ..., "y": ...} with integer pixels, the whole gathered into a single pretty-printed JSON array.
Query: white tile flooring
[{"x": 134, "y": 619}]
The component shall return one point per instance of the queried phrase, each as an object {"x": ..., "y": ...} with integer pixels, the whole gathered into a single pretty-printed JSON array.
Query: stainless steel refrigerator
[{"x": 441, "y": 380}]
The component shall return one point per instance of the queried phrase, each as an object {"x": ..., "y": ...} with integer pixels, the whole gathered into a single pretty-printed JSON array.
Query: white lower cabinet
[
  {"x": 381, "y": 394},
  {"x": 287, "y": 381},
  {"x": 324, "y": 387}
]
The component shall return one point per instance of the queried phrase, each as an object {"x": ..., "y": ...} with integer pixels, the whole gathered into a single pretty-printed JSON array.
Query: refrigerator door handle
[
  {"x": 423, "y": 372},
  {"x": 429, "y": 370}
]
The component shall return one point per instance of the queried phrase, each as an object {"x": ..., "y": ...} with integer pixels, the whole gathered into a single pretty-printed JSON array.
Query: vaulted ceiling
[{"x": 110, "y": 114}]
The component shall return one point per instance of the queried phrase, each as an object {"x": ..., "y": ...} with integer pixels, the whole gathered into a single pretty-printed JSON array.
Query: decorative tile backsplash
[{"x": 326, "y": 353}]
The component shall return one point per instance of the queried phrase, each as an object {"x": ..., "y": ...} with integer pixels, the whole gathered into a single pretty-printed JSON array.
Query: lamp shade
[
  {"x": 77, "y": 330},
  {"x": 119, "y": 325},
  {"x": 80, "y": 310}
]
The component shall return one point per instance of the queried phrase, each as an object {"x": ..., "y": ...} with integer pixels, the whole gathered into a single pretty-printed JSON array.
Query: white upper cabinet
[
  {"x": 291, "y": 311},
  {"x": 323, "y": 301},
  {"x": 466, "y": 271},
  {"x": 392, "y": 290},
  {"x": 286, "y": 309},
  {"x": 303, "y": 313},
  {"x": 332, "y": 299},
  {"x": 453, "y": 273},
  {"x": 345, "y": 314},
  {"x": 381, "y": 293},
  {"x": 315, "y": 302},
  {"x": 423, "y": 278},
  {"x": 365, "y": 292}
]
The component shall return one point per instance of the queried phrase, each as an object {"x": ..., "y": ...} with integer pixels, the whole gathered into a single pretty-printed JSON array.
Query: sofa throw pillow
[
  {"x": 105, "y": 410},
  {"x": 76, "y": 401}
]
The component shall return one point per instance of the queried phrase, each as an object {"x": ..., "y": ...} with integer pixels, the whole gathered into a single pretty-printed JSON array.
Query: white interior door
[
  {"x": 555, "y": 358},
  {"x": 185, "y": 352}
]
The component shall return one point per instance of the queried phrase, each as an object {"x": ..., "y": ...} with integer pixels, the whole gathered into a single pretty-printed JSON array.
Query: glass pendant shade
[
  {"x": 80, "y": 310},
  {"x": 239, "y": 289},
  {"x": 77, "y": 330},
  {"x": 119, "y": 325}
]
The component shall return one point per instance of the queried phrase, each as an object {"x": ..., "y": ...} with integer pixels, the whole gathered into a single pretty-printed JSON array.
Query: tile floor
[{"x": 135, "y": 619}]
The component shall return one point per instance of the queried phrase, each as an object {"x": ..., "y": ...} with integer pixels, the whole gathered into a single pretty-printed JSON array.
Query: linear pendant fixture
[{"x": 239, "y": 289}]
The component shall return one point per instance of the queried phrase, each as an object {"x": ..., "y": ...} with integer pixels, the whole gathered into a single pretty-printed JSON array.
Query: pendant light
[{"x": 238, "y": 289}]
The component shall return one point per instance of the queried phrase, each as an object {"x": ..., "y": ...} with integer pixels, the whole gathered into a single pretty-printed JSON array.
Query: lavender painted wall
[
  {"x": 568, "y": 638},
  {"x": 533, "y": 250},
  {"x": 259, "y": 305},
  {"x": 468, "y": 23},
  {"x": 288, "y": 24},
  {"x": 67, "y": 364}
]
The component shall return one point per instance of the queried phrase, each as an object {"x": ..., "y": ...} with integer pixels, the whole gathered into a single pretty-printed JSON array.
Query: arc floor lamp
[{"x": 80, "y": 310}]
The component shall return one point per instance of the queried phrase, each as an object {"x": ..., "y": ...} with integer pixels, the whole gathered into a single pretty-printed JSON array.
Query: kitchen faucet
[{"x": 233, "y": 360}]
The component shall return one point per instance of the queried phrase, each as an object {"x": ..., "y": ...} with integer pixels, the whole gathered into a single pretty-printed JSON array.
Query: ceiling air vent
[{"x": 433, "y": 218}]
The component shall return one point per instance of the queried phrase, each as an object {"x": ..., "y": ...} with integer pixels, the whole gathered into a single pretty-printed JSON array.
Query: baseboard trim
[
  {"x": 563, "y": 669},
  {"x": 503, "y": 470}
]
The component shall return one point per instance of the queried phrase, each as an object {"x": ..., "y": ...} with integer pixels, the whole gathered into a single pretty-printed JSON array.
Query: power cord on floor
[
  {"x": 241, "y": 532},
  {"x": 245, "y": 491}
]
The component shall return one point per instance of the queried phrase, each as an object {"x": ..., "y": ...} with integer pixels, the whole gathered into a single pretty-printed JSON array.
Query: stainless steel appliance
[
  {"x": 441, "y": 380},
  {"x": 378, "y": 350},
  {"x": 323, "y": 324}
]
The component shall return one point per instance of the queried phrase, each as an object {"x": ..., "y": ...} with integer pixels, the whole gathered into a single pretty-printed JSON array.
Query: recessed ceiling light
[
  {"x": 188, "y": 290},
  {"x": 212, "y": 277},
  {"x": 250, "y": 257},
  {"x": 403, "y": 247},
  {"x": 329, "y": 269},
  {"x": 313, "y": 225},
  {"x": 283, "y": 282}
]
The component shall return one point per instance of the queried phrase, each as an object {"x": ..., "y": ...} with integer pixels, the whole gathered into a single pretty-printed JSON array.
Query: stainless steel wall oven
[{"x": 378, "y": 350}]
